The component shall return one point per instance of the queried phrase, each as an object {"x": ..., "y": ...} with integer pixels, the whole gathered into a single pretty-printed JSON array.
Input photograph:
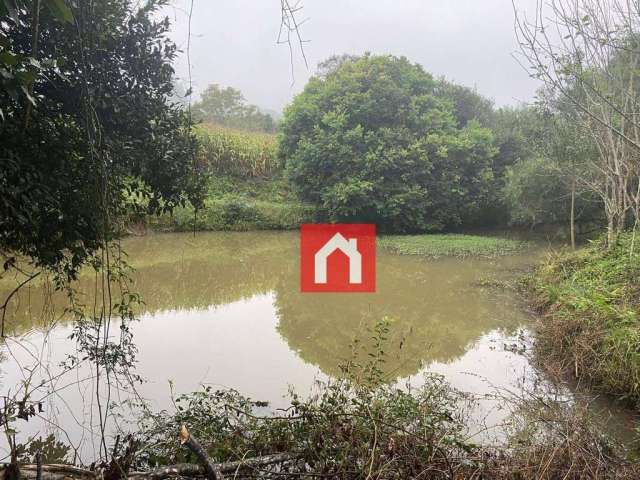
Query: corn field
[{"x": 234, "y": 152}]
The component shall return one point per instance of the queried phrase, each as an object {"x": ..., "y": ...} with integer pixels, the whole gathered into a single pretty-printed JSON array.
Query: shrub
[
  {"x": 372, "y": 141},
  {"x": 237, "y": 211},
  {"x": 356, "y": 426}
]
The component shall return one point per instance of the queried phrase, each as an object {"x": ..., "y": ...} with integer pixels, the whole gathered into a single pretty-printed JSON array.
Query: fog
[{"x": 234, "y": 43}]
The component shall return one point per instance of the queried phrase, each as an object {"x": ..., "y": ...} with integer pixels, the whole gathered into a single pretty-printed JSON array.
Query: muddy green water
[{"x": 225, "y": 309}]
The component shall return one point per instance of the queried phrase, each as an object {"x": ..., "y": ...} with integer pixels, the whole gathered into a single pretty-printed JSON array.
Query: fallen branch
[
  {"x": 186, "y": 439},
  {"x": 59, "y": 471},
  {"x": 191, "y": 470}
]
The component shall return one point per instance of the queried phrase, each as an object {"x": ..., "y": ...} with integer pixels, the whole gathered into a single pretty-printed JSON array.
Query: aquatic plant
[{"x": 450, "y": 245}]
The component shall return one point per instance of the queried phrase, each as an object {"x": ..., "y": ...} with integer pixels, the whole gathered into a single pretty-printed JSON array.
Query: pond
[{"x": 225, "y": 309}]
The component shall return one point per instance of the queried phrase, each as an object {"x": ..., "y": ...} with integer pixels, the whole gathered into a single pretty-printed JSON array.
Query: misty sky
[{"x": 233, "y": 43}]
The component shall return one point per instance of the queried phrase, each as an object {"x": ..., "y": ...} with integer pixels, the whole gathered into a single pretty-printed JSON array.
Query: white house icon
[{"x": 348, "y": 247}]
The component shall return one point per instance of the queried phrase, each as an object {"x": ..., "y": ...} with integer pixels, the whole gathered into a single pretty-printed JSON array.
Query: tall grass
[{"x": 234, "y": 152}]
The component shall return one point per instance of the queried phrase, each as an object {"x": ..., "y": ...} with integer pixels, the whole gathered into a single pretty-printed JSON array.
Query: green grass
[
  {"x": 241, "y": 204},
  {"x": 450, "y": 245},
  {"x": 592, "y": 324}
]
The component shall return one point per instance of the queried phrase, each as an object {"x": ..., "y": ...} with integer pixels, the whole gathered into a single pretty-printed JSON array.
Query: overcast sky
[{"x": 233, "y": 43}]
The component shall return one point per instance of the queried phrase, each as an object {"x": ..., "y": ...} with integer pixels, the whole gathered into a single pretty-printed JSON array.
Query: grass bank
[
  {"x": 450, "y": 245},
  {"x": 591, "y": 323},
  {"x": 237, "y": 204}
]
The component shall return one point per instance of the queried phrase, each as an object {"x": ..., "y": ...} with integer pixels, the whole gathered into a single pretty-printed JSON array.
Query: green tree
[
  {"x": 93, "y": 128},
  {"x": 372, "y": 141},
  {"x": 543, "y": 185},
  {"x": 468, "y": 104},
  {"x": 535, "y": 193},
  {"x": 228, "y": 107}
]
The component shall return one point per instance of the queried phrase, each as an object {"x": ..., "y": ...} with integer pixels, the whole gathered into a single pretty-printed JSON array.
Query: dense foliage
[
  {"x": 372, "y": 141},
  {"x": 94, "y": 116},
  {"x": 535, "y": 193},
  {"x": 227, "y": 106}
]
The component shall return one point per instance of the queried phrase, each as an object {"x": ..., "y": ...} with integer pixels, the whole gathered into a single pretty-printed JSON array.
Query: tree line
[
  {"x": 378, "y": 138},
  {"x": 227, "y": 106},
  {"x": 586, "y": 53},
  {"x": 88, "y": 121}
]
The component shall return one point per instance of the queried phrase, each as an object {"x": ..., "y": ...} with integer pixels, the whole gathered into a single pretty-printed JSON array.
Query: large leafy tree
[
  {"x": 373, "y": 140},
  {"x": 89, "y": 127}
]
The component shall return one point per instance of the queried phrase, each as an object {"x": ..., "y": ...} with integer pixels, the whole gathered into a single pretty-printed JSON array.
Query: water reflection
[
  {"x": 436, "y": 308},
  {"x": 224, "y": 309}
]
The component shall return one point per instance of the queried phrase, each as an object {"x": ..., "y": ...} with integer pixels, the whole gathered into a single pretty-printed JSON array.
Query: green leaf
[
  {"x": 8, "y": 58},
  {"x": 60, "y": 10}
]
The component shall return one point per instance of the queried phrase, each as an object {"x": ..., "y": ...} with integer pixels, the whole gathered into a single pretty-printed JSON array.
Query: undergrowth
[{"x": 358, "y": 427}]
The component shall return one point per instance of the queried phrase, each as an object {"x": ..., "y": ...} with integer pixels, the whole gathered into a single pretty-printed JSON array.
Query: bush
[
  {"x": 344, "y": 430},
  {"x": 372, "y": 141},
  {"x": 238, "y": 211},
  {"x": 356, "y": 427}
]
